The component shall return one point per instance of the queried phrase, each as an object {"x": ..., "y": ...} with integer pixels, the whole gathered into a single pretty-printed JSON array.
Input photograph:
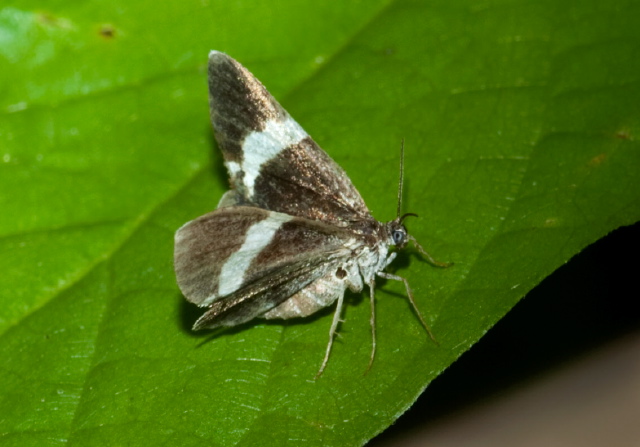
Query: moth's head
[
  {"x": 398, "y": 232},
  {"x": 399, "y": 237}
]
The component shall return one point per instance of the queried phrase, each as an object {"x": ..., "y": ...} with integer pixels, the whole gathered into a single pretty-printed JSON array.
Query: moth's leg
[
  {"x": 390, "y": 259},
  {"x": 332, "y": 333},
  {"x": 372, "y": 288},
  {"x": 430, "y": 258},
  {"x": 386, "y": 275}
]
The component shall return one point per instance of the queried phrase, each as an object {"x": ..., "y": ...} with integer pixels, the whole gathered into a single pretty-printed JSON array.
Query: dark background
[{"x": 586, "y": 304}]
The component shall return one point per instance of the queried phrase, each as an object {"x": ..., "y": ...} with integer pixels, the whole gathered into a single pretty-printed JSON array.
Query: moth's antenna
[{"x": 401, "y": 179}]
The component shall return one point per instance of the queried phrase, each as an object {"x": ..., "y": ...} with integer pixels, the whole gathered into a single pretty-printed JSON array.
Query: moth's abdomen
[{"x": 321, "y": 293}]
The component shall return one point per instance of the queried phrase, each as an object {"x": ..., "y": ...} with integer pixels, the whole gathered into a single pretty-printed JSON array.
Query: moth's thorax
[
  {"x": 370, "y": 246},
  {"x": 370, "y": 230}
]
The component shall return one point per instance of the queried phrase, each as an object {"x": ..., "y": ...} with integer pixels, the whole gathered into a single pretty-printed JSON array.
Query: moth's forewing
[
  {"x": 204, "y": 244},
  {"x": 239, "y": 104},
  {"x": 227, "y": 250},
  {"x": 273, "y": 163}
]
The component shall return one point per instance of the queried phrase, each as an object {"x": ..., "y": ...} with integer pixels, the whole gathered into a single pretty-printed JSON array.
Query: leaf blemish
[
  {"x": 623, "y": 134},
  {"x": 598, "y": 160},
  {"x": 107, "y": 31}
]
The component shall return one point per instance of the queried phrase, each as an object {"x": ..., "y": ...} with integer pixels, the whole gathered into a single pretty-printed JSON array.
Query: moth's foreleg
[
  {"x": 386, "y": 275},
  {"x": 332, "y": 333},
  {"x": 430, "y": 259},
  {"x": 390, "y": 259}
]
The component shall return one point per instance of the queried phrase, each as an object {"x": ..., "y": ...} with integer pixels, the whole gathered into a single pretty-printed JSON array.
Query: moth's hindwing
[
  {"x": 260, "y": 297},
  {"x": 273, "y": 163}
]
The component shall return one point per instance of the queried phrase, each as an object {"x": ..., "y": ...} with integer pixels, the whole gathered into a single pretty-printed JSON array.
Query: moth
[{"x": 292, "y": 233}]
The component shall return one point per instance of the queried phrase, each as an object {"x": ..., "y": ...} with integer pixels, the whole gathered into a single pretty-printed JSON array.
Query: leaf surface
[{"x": 520, "y": 120}]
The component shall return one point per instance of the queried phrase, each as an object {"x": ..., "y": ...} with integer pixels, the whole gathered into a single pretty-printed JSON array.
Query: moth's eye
[{"x": 398, "y": 237}]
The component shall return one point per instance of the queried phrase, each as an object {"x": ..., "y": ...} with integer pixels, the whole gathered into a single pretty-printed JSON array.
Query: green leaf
[{"x": 521, "y": 123}]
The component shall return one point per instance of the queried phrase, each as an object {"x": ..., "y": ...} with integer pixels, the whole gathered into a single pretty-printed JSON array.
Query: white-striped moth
[{"x": 292, "y": 233}]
